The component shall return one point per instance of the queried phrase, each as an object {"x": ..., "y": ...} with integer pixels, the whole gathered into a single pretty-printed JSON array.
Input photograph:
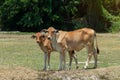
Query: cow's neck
[
  {"x": 55, "y": 45},
  {"x": 40, "y": 44},
  {"x": 54, "y": 41}
]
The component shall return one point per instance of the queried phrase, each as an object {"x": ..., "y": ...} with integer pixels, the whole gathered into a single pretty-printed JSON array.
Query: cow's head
[
  {"x": 39, "y": 37},
  {"x": 50, "y": 32}
]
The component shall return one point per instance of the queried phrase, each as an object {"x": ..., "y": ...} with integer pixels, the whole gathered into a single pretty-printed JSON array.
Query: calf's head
[
  {"x": 50, "y": 32},
  {"x": 39, "y": 37}
]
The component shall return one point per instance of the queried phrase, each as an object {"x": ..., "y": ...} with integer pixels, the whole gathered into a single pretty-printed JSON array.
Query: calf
[
  {"x": 47, "y": 49},
  {"x": 61, "y": 49},
  {"x": 40, "y": 39},
  {"x": 74, "y": 41}
]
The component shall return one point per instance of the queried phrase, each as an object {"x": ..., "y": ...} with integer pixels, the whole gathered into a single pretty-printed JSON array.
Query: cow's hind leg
[
  {"x": 95, "y": 58},
  {"x": 90, "y": 53},
  {"x": 88, "y": 60}
]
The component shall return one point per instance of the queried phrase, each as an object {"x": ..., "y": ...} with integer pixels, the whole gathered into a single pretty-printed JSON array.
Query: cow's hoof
[
  {"x": 69, "y": 69},
  {"x": 85, "y": 67},
  {"x": 94, "y": 67},
  {"x": 60, "y": 69},
  {"x": 44, "y": 69},
  {"x": 77, "y": 67}
]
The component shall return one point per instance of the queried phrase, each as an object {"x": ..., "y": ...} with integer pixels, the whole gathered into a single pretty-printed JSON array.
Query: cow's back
[{"x": 78, "y": 39}]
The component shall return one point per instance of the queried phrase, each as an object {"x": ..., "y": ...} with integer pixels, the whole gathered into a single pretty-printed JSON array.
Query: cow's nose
[
  {"x": 37, "y": 41},
  {"x": 49, "y": 37}
]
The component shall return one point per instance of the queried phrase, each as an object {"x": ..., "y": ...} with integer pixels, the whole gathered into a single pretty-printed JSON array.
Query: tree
[{"x": 34, "y": 15}]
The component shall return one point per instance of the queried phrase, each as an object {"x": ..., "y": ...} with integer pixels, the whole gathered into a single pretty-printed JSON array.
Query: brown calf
[
  {"x": 40, "y": 39},
  {"x": 74, "y": 41}
]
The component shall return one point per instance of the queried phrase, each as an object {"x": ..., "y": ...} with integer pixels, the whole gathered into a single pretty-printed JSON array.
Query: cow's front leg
[
  {"x": 64, "y": 58},
  {"x": 70, "y": 62},
  {"x": 60, "y": 64},
  {"x": 48, "y": 61},
  {"x": 45, "y": 59}
]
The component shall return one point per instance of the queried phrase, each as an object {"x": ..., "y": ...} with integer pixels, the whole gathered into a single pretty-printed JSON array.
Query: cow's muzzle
[
  {"x": 37, "y": 41},
  {"x": 49, "y": 37}
]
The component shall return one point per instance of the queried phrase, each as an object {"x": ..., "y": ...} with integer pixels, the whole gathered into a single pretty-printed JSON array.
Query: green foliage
[
  {"x": 115, "y": 27},
  {"x": 113, "y": 6},
  {"x": 30, "y": 20},
  {"x": 34, "y": 15},
  {"x": 112, "y": 22},
  {"x": 21, "y": 15},
  {"x": 111, "y": 11},
  {"x": 8, "y": 13}
]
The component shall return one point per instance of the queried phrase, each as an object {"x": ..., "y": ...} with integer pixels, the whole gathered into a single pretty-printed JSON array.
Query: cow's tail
[{"x": 96, "y": 44}]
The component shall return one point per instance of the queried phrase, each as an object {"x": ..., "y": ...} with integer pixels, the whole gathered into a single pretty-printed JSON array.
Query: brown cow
[
  {"x": 61, "y": 49},
  {"x": 74, "y": 41},
  {"x": 47, "y": 49},
  {"x": 40, "y": 39}
]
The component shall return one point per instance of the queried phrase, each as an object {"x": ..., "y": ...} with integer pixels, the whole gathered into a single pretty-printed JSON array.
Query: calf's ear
[
  {"x": 33, "y": 36},
  {"x": 56, "y": 31},
  {"x": 43, "y": 31}
]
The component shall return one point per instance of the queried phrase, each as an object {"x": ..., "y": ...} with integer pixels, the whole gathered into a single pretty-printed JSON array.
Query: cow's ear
[
  {"x": 33, "y": 36},
  {"x": 43, "y": 31},
  {"x": 56, "y": 31}
]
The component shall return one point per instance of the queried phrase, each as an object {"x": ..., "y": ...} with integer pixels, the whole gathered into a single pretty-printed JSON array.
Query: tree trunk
[{"x": 94, "y": 14}]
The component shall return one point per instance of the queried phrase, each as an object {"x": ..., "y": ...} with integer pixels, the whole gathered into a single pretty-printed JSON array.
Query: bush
[
  {"x": 115, "y": 27},
  {"x": 112, "y": 22}
]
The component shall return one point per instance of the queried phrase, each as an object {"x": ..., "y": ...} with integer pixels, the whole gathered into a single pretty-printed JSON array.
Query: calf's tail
[{"x": 96, "y": 44}]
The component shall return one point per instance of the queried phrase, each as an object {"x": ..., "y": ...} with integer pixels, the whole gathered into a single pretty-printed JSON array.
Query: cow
[
  {"x": 74, "y": 41},
  {"x": 40, "y": 39},
  {"x": 61, "y": 49},
  {"x": 47, "y": 49}
]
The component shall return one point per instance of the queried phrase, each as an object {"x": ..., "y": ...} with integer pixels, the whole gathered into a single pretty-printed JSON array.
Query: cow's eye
[
  {"x": 43, "y": 36},
  {"x": 53, "y": 31},
  {"x": 56, "y": 31},
  {"x": 46, "y": 31}
]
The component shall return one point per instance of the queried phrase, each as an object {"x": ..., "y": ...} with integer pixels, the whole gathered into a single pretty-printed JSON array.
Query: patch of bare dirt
[{"x": 21, "y": 73}]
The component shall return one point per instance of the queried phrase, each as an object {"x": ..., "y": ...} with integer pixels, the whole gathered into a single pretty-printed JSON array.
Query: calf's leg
[
  {"x": 95, "y": 58},
  {"x": 60, "y": 64},
  {"x": 48, "y": 61},
  {"x": 72, "y": 55},
  {"x": 45, "y": 59},
  {"x": 90, "y": 53}
]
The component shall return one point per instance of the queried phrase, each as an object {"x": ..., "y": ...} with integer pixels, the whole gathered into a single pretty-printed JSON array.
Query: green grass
[{"x": 21, "y": 50}]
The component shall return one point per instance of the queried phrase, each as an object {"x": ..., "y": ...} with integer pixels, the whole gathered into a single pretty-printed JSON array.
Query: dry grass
[
  {"x": 17, "y": 73},
  {"x": 21, "y": 73}
]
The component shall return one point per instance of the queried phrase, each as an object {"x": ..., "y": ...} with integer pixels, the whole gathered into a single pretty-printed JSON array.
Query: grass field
[{"x": 18, "y": 49}]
